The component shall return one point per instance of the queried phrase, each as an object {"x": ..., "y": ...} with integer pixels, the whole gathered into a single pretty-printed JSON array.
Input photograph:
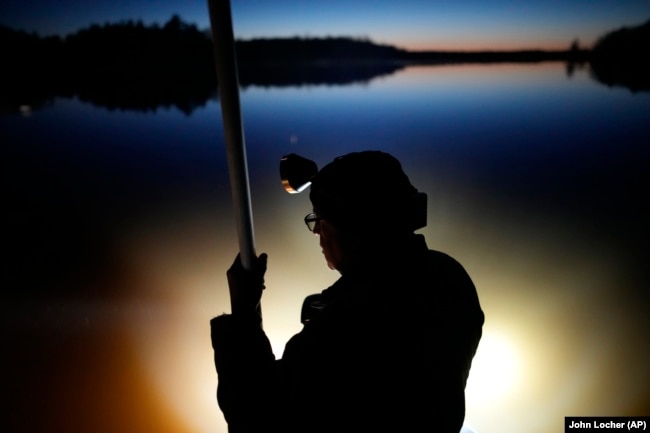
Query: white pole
[{"x": 226, "y": 65}]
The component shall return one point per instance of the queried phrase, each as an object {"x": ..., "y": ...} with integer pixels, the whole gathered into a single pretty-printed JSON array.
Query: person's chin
[{"x": 329, "y": 262}]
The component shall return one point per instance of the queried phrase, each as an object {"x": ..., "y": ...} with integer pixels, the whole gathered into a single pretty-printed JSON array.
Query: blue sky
[{"x": 413, "y": 24}]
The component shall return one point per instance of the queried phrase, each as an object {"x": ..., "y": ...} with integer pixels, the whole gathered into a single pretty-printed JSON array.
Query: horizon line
[{"x": 420, "y": 47}]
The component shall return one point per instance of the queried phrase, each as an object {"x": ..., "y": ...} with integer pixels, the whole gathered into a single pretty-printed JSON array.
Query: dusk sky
[{"x": 412, "y": 24}]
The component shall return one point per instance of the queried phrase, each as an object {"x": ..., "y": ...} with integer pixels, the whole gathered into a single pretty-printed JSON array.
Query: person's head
[{"x": 363, "y": 201}]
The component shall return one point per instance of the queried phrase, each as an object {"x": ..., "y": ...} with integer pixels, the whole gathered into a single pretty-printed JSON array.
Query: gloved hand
[{"x": 246, "y": 285}]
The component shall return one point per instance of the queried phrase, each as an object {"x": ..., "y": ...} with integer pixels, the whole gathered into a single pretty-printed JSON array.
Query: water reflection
[
  {"x": 188, "y": 94},
  {"x": 121, "y": 232}
]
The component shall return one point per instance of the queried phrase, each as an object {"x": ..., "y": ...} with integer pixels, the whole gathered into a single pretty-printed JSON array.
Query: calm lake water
[{"x": 120, "y": 228}]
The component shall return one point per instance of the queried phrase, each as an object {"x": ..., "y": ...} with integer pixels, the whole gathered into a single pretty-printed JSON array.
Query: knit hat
[{"x": 368, "y": 191}]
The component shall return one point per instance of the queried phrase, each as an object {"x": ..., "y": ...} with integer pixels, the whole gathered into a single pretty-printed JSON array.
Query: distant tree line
[
  {"x": 291, "y": 50},
  {"x": 129, "y": 65},
  {"x": 124, "y": 65}
]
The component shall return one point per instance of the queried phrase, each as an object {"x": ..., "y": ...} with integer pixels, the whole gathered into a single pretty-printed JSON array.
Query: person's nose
[{"x": 316, "y": 230}]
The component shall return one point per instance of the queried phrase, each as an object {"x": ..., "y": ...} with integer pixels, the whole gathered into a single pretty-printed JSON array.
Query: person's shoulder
[
  {"x": 443, "y": 269},
  {"x": 433, "y": 256},
  {"x": 451, "y": 274},
  {"x": 440, "y": 255},
  {"x": 441, "y": 258}
]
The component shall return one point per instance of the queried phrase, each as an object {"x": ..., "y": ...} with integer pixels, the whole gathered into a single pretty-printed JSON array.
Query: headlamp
[{"x": 296, "y": 172}]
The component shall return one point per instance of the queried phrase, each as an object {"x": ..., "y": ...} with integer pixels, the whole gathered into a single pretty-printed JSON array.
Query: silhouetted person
[{"x": 387, "y": 347}]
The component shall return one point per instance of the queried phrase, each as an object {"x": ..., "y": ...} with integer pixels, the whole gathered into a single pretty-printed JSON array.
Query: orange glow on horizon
[
  {"x": 481, "y": 42},
  {"x": 480, "y": 46}
]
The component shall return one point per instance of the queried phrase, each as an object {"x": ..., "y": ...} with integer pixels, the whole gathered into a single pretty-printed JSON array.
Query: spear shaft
[{"x": 228, "y": 85}]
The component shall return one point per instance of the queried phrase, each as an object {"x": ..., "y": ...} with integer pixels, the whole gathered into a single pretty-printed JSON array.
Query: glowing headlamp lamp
[{"x": 296, "y": 172}]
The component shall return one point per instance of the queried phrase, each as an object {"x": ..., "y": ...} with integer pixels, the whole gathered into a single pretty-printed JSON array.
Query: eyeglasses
[{"x": 311, "y": 220}]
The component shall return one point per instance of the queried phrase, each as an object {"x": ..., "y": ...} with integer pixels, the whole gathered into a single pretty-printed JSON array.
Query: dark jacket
[{"x": 389, "y": 349}]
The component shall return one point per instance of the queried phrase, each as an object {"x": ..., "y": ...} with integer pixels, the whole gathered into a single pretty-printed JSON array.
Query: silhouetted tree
[
  {"x": 31, "y": 69},
  {"x": 620, "y": 58},
  {"x": 122, "y": 65}
]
